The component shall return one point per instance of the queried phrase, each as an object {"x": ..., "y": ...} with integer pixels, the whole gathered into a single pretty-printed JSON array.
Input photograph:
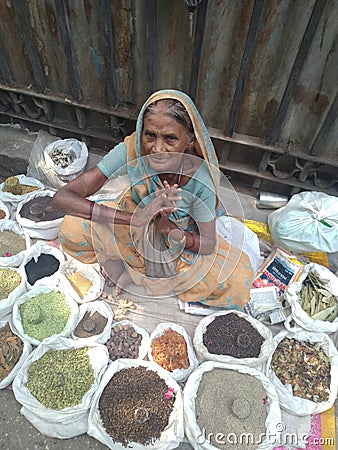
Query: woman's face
[{"x": 164, "y": 140}]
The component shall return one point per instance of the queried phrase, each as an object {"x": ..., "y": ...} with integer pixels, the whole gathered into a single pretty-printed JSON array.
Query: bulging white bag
[
  {"x": 74, "y": 150},
  {"x": 68, "y": 422},
  {"x": 144, "y": 346},
  {"x": 15, "y": 227},
  {"x": 170, "y": 437},
  {"x": 71, "y": 322},
  {"x": 203, "y": 353},
  {"x": 34, "y": 252},
  {"x": 6, "y": 304},
  {"x": 12, "y": 200},
  {"x": 308, "y": 223},
  {"x": 177, "y": 374},
  {"x": 297, "y": 405},
  {"x": 87, "y": 271},
  {"x": 102, "y": 308},
  {"x": 197, "y": 438},
  {"x": 330, "y": 280},
  {"x": 27, "y": 348}
]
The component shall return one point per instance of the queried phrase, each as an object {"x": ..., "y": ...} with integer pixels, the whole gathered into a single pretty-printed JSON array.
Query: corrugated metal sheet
[{"x": 262, "y": 73}]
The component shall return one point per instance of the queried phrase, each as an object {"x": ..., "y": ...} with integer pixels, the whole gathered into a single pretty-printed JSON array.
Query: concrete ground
[{"x": 16, "y": 433}]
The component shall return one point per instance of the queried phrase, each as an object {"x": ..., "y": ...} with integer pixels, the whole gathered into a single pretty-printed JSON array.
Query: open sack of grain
[
  {"x": 16, "y": 189},
  {"x": 14, "y": 242},
  {"x": 150, "y": 416},
  {"x": 248, "y": 402},
  {"x": 56, "y": 384},
  {"x": 12, "y": 286},
  {"x": 304, "y": 369},
  {"x": 314, "y": 299},
  {"x": 233, "y": 337}
]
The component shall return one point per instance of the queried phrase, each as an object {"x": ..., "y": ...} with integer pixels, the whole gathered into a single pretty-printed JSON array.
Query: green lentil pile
[
  {"x": 9, "y": 280},
  {"x": 60, "y": 378},
  {"x": 44, "y": 315}
]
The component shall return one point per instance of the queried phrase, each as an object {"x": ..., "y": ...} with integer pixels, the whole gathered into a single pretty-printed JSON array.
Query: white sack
[
  {"x": 145, "y": 342},
  {"x": 15, "y": 227},
  {"x": 68, "y": 146},
  {"x": 6, "y": 304}
]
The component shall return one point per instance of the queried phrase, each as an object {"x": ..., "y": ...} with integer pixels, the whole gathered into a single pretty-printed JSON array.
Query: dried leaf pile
[
  {"x": 316, "y": 300},
  {"x": 305, "y": 367},
  {"x": 11, "y": 347},
  {"x": 170, "y": 351}
]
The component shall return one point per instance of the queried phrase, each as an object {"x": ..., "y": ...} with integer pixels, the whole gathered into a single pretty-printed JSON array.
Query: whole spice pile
[
  {"x": 9, "y": 280},
  {"x": 79, "y": 283},
  {"x": 305, "y": 367},
  {"x": 316, "y": 300},
  {"x": 232, "y": 335},
  {"x": 124, "y": 342},
  {"x": 60, "y": 378},
  {"x": 135, "y": 406},
  {"x": 45, "y": 266},
  {"x": 44, "y": 315},
  {"x": 91, "y": 324},
  {"x": 11, "y": 243},
  {"x": 13, "y": 185},
  {"x": 39, "y": 209},
  {"x": 62, "y": 157},
  {"x": 242, "y": 401},
  {"x": 11, "y": 347},
  {"x": 170, "y": 350}
]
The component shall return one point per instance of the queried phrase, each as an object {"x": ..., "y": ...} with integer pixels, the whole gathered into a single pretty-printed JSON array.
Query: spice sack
[
  {"x": 12, "y": 236},
  {"x": 304, "y": 370},
  {"x": 63, "y": 374},
  {"x": 314, "y": 299}
]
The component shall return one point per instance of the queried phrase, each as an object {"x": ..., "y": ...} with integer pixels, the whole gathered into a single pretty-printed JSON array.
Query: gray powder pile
[{"x": 231, "y": 409}]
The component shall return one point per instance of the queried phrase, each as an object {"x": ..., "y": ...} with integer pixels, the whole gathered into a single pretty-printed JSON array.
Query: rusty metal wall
[{"x": 263, "y": 74}]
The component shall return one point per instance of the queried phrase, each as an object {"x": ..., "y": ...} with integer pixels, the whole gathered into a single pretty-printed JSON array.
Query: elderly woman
[{"x": 161, "y": 232}]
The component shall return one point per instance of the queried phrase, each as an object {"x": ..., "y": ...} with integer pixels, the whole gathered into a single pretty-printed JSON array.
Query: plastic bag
[
  {"x": 297, "y": 405},
  {"x": 68, "y": 422},
  {"x": 102, "y": 308},
  {"x": 193, "y": 431},
  {"x": 34, "y": 252},
  {"x": 74, "y": 152},
  {"x": 301, "y": 318},
  {"x": 177, "y": 374},
  {"x": 308, "y": 223},
  {"x": 87, "y": 271},
  {"x": 144, "y": 346},
  {"x": 15, "y": 227},
  {"x": 27, "y": 348},
  {"x": 12, "y": 200},
  {"x": 6, "y": 304},
  {"x": 170, "y": 437},
  {"x": 71, "y": 322},
  {"x": 203, "y": 353},
  {"x": 43, "y": 229}
]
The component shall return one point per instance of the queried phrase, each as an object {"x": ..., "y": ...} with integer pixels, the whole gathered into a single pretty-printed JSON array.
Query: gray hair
[{"x": 174, "y": 109}]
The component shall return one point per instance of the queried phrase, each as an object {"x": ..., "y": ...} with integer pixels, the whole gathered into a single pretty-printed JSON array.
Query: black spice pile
[
  {"x": 234, "y": 336},
  {"x": 39, "y": 209},
  {"x": 45, "y": 266},
  {"x": 134, "y": 407}
]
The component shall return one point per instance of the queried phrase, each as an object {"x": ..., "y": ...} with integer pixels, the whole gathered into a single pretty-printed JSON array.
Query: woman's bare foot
[
  {"x": 111, "y": 271},
  {"x": 122, "y": 282}
]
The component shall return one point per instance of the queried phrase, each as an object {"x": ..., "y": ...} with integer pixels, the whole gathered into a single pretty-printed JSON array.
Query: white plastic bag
[
  {"x": 12, "y": 200},
  {"x": 330, "y": 280},
  {"x": 27, "y": 348},
  {"x": 6, "y": 304},
  {"x": 43, "y": 229},
  {"x": 102, "y": 308},
  {"x": 177, "y": 374},
  {"x": 68, "y": 422},
  {"x": 144, "y": 346},
  {"x": 308, "y": 223},
  {"x": 203, "y": 353},
  {"x": 87, "y": 271},
  {"x": 71, "y": 322},
  {"x": 34, "y": 252},
  {"x": 67, "y": 147},
  {"x": 297, "y": 405},
  {"x": 170, "y": 437},
  {"x": 193, "y": 431},
  {"x": 15, "y": 227}
]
